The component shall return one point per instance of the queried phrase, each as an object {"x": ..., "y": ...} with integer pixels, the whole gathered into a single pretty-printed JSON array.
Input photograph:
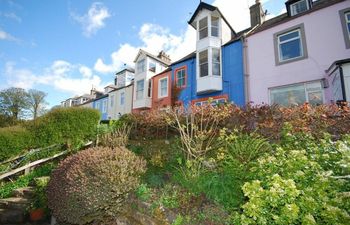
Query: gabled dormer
[
  {"x": 213, "y": 31},
  {"x": 295, "y": 7}
]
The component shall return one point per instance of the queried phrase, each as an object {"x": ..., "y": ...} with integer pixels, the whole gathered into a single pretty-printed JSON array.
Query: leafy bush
[
  {"x": 65, "y": 126},
  {"x": 290, "y": 188},
  {"x": 14, "y": 141},
  {"x": 40, "y": 198},
  {"x": 93, "y": 184}
]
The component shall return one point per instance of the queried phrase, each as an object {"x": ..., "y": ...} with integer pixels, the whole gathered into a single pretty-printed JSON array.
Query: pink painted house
[{"x": 300, "y": 56}]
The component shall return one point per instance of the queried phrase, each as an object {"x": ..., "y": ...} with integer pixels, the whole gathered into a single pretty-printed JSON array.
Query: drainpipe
[{"x": 245, "y": 69}]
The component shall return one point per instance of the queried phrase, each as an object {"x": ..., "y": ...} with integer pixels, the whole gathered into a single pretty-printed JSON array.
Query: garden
[{"x": 199, "y": 165}]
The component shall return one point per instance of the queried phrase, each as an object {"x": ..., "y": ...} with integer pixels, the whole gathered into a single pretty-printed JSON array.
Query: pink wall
[{"x": 325, "y": 44}]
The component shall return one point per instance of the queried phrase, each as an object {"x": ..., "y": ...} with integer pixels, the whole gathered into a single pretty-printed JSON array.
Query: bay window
[
  {"x": 141, "y": 66},
  {"x": 216, "y": 61},
  {"x": 215, "y": 26},
  {"x": 203, "y": 28},
  {"x": 299, "y": 7},
  {"x": 139, "y": 89},
  {"x": 203, "y": 63}
]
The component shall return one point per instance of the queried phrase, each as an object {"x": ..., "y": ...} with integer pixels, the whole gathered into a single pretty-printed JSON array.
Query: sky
[{"x": 66, "y": 47}]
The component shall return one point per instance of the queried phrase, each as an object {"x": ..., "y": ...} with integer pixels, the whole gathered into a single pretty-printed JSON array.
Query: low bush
[
  {"x": 291, "y": 188},
  {"x": 69, "y": 126},
  {"x": 93, "y": 184},
  {"x": 14, "y": 141}
]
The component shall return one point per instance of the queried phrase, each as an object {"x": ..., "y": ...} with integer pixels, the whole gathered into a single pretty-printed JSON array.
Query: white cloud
[
  {"x": 94, "y": 19},
  {"x": 61, "y": 75},
  {"x": 155, "y": 38},
  {"x": 12, "y": 16},
  {"x": 6, "y": 36}
]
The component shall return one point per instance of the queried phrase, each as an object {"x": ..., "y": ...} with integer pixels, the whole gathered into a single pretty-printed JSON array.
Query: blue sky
[{"x": 65, "y": 47}]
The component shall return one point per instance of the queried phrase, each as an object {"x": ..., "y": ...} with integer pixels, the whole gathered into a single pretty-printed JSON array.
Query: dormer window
[
  {"x": 214, "y": 26},
  {"x": 299, "y": 7},
  {"x": 203, "y": 28}
]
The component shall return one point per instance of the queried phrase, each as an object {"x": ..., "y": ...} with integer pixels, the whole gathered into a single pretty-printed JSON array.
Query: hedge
[
  {"x": 69, "y": 126},
  {"x": 64, "y": 126},
  {"x": 13, "y": 141}
]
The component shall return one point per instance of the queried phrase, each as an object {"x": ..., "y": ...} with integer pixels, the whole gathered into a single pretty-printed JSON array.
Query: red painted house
[{"x": 162, "y": 90}]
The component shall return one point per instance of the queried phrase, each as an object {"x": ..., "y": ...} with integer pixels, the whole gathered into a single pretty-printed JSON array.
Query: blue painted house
[
  {"x": 101, "y": 104},
  {"x": 215, "y": 69}
]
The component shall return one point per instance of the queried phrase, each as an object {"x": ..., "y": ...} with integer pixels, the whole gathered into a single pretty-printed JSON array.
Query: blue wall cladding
[{"x": 232, "y": 75}]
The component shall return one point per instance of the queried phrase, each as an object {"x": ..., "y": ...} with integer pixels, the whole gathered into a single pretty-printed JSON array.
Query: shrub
[
  {"x": 14, "y": 141},
  {"x": 290, "y": 188},
  {"x": 117, "y": 137},
  {"x": 93, "y": 184},
  {"x": 65, "y": 126},
  {"x": 40, "y": 198}
]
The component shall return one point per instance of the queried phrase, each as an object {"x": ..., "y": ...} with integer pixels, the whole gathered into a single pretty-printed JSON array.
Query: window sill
[{"x": 279, "y": 63}]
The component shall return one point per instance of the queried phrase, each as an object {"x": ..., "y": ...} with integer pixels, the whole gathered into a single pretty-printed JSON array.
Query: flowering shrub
[
  {"x": 290, "y": 188},
  {"x": 93, "y": 184}
]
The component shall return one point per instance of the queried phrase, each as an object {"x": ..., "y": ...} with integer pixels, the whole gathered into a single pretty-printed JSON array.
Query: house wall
[
  {"x": 325, "y": 44},
  {"x": 157, "y": 101},
  {"x": 232, "y": 77},
  {"x": 98, "y": 104},
  {"x": 118, "y": 109}
]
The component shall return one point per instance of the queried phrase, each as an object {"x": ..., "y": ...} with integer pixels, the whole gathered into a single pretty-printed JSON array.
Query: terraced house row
[{"x": 300, "y": 56}]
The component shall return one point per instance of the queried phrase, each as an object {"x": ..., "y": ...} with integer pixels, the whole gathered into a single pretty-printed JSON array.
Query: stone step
[
  {"x": 26, "y": 192},
  {"x": 12, "y": 216},
  {"x": 14, "y": 203}
]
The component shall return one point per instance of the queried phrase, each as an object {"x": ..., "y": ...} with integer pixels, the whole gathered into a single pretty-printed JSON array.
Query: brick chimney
[
  {"x": 164, "y": 57},
  {"x": 257, "y": 15}
]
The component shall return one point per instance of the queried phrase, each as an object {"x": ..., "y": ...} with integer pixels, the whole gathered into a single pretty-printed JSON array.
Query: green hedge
[
  {"x": 60, "y": 126},
  {"x": 13, "y": 141},
  {"x": 65, "y": 125}
]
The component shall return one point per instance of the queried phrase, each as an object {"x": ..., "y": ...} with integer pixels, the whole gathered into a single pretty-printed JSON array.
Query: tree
[
  {"x": 13, "y": 102},
  {"x": 37, "y": 103}
]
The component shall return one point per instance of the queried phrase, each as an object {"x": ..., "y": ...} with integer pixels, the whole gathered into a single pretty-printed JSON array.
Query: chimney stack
[
  {"x": 257, "y": 15},
  {"x": 164, "y": 57}
]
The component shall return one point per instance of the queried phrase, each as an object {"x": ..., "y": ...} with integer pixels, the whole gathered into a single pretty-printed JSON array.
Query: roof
[
  {"x": 203, "y": 5},
  {"x": 189, "y": 56},
  {"x": 100, "y": 97},
  {"x": 130, "y": 69},
  {"x": 117, "y": 89},
  {"x": 283, "y": 18},
  {"x": 163, "y": 72},
  {"x": 151, "y": 56},
  {"x": 337, "y": 63}
]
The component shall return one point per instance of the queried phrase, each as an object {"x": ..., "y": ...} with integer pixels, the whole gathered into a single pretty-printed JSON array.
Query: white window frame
[
  {"x": 97, "y": 105},
  {"x": 201, "y": 29},
  {"x": 306, "y": 92},
  {"x": 141, "y": 66},
  {"x": 212, "y": 26},
  {"x": 212, "y": 62},
  {"x": 199, "y": 63},
  {"x": 149, "y": 66},
  {"x": 279, "y": 43},
  {"x": 141, "y": 91},
  {"x": 111, "y": 103},
  {"x": 104, "y": 105},
  {"x": 160, "y": 87},
  {"x": 293, "y": 11},
  {"x": 122, "y": 98}
]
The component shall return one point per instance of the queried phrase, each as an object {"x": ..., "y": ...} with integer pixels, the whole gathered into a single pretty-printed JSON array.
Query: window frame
[
  {"x": 140, "y": 91},
  {"x": 122, "y": 98},
  {"x": 346, "y": 32},
  {"x": 199, "y": 63},
  {"x": 305, "y": 87},
  {"x": 111, "y": 103},
  {"x": 143, "y": 68},
  {"x": 160, "y": 87},
  {"x": 149, "y": 88},
  {"x": 104, "y": 105},
  {"x": 151, "y": 68},
  {"x": 298, "y": 2},
  {"x": 303, "y": 47},
  {"x": 184, "y": 68},
  {"x": 212, "y": 61},
  {"x": 205, "y": 27},
  {"x": 212, "y": 26}
]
